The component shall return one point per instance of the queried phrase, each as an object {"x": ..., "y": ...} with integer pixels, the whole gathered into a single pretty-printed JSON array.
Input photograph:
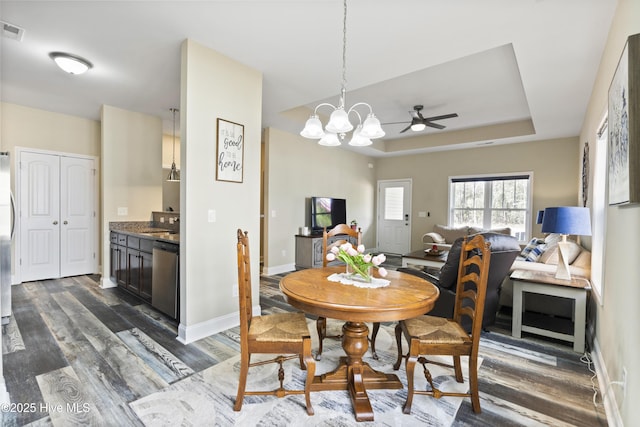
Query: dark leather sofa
[{"x": 504, "y": 250}]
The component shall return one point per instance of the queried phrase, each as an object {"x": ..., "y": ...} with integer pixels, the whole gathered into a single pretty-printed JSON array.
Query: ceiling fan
[{"x": 418, "y": 122}]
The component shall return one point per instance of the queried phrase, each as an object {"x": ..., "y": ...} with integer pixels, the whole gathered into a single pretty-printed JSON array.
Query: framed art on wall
[
  {"x": 624, "y": 127},
  {"x": 229, "y": 151}
]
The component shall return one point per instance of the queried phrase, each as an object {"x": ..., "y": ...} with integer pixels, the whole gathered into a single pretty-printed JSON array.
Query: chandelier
[{"x": 339, "y": 123}]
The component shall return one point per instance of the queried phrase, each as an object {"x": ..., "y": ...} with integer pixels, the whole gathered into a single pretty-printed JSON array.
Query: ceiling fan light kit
[
  {"x": 419, "y": 122},
  {"x": 339, "y": 123}
]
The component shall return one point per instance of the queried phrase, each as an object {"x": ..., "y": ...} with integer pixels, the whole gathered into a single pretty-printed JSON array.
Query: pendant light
[
  {"x": 174, "y": 175},
  {"x": 339, "y": 123}
]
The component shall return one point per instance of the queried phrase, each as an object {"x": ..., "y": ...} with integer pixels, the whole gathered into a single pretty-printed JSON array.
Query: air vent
[{"x": 10, "y": 31}]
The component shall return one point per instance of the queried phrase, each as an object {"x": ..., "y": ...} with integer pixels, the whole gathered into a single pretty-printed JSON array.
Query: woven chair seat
[
  {"x": 281, "y": 327},
  {"x": 437, "y": 330}
]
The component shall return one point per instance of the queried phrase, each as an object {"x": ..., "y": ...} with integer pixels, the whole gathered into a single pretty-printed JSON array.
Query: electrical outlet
[
  {"x": 234, "y": 291},
  {"x": 624, "y": 382}
]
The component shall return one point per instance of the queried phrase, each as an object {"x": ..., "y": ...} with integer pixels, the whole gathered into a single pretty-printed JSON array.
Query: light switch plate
[{"x": 211, "y": 215}]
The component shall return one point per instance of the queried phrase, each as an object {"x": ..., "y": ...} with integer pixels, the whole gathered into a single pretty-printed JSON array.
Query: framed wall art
[
  {"x": 624, "y": 127},
  {"x": 229, "y": 151}
]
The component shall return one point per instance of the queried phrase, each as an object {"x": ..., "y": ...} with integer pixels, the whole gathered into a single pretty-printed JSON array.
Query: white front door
[
  {"x": 394, "y": 220},
  {"x": 57, "y": 222},
  {"x": 76, "y": 216},
  {"x": 39, "y": 216}
]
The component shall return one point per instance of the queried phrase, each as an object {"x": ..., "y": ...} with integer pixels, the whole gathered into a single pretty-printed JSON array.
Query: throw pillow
[
  {"x": 535, "y": 253},
  {"x": 552, "y": 258},
  {"x": 449, "y": 271},
  {"x": 450, "y": 234},
  {"x": 533, "y": 243}
]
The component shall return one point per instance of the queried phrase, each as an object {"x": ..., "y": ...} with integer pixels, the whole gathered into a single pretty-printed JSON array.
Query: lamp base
[{"x": 563, "y": 265}]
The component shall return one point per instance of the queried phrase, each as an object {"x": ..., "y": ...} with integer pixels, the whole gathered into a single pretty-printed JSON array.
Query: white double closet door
[{"x": 57, "y": 216}]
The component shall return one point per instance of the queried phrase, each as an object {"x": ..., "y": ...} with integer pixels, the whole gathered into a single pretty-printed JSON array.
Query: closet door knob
[
  {"x": 55, "y": 222},
  {"x": 65, "y": 223}
]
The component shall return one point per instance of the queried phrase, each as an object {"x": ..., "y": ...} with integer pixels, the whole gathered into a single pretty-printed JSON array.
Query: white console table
[{"x": 576, "y": 289}]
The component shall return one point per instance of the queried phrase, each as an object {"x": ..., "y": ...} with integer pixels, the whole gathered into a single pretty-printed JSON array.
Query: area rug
[{"x": 207, "y": 398}]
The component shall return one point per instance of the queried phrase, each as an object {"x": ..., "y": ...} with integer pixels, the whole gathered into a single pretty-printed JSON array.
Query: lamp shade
[
  {"x": 371, "y": 128},
  {"x": 339, "y": 122},
  {"x": 329, "y": 140},
  {"x": 357, "y": 140},
  {"x": 313, "y": 128},
  {"x": 567, "y": 220},
  {"x": 540, "y": 217}
]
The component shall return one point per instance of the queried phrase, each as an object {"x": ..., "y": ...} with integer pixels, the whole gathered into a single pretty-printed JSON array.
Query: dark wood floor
[{"x": 70, "y": 342}]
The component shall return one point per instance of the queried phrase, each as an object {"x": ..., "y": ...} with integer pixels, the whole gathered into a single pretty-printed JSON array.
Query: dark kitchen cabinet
[
  {"x": 132, "y": 264},
  {"x": 118, "y": 259}
]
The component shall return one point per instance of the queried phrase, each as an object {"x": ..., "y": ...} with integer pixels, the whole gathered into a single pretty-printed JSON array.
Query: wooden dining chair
[
  {"x": 281, "y": 333},
  {"x": 338, "y": 230},
  {"x": 431, "y": 335}
]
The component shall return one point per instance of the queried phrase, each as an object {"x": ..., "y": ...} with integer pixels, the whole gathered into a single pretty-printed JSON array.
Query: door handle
[
  {"x": 55, "y": 222},
  {"x": 65, "y": 223}
]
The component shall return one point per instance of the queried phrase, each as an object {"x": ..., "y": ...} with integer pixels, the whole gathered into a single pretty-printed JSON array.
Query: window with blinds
[
  {"x": 492, "y": 201},
  {"x": 394, "y": 203}
]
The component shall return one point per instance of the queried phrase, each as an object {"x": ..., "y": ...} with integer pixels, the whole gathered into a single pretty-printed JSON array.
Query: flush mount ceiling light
[
  {"x": 71, "y": 64},
  {"x": 339, "y": 123}
]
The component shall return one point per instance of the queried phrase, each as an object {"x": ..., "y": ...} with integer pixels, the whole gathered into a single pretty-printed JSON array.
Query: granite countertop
[{"x": 147, "y": 230}]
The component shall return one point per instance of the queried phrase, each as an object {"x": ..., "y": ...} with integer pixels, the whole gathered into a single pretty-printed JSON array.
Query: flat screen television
[{"x": 327, "y": 212}]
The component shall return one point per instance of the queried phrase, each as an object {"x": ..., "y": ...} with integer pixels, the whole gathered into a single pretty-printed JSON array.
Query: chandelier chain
[{"x": 344, "y": 52}]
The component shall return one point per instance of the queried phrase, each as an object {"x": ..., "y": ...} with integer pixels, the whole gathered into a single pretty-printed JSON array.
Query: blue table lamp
[{"x": 566, "y": 220}]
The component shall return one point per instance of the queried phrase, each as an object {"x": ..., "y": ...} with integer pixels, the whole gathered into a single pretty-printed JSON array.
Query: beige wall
[
  {"x": 298, "y": 168},
  {"x": 131, "y": 157},
  {"x": 214, "y": 86},
  {"x": 617, "y": 317},
  {"x": 430, "y": 174}
]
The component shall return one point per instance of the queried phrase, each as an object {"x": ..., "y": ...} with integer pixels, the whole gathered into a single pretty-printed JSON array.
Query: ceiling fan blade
[
  {"x": 395, "y": 123},
  {"x": 433, "y": 125},
  {"x": 405, "y": 129},
  {"x": 446, "y": 116}
]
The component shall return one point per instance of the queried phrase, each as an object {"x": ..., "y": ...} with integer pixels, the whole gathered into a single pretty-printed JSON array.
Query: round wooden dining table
[{"x": 406, "y": 296}]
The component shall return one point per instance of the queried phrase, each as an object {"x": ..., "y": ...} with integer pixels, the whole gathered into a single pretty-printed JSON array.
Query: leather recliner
[{"x": 504, "y": 250}]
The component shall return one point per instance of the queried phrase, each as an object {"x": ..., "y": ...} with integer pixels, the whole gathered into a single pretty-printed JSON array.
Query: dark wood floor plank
[
  {"x": 169, "y": 367},
  {"x": 66, "y": 400},
  {"x": 99, "y": 309},
  {"x": 109, "y": 390},
  {"x": 530, "y": 381},
  {"x": 190, "y": 355},
  {"x": 11, "y": 337},
  {"x": 139, "y": 377}
]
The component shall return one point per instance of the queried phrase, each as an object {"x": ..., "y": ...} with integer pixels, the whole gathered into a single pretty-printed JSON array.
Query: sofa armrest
[{"x": 432, "y": 237}]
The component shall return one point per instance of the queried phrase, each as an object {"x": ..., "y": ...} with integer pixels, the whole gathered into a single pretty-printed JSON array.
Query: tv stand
[{"x": 309, "y": 249}]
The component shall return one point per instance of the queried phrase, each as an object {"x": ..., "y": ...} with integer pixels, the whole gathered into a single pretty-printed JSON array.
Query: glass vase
[{"x": 354, "y": 275}]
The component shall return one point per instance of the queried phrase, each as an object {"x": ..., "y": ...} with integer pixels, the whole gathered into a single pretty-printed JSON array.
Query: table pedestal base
[{"x": 355, "y": 375}]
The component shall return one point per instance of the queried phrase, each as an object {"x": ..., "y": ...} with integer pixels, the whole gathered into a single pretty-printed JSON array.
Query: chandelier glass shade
[{"x": 339, "y": 123}]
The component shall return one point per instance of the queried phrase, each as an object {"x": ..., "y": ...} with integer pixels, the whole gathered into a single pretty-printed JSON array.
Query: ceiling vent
[{"x": 10, "y": 31}]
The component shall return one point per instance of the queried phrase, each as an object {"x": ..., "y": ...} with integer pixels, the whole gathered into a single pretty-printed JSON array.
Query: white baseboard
[
  {"x": 106, "y": 282},
  {"x": 606, "y": 393},
  {"x": 191, "y": 333},
  {"x": 270, "y": 271}
]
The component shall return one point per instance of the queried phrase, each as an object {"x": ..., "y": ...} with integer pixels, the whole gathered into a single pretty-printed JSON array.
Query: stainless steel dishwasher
[{"x": 165, "y": 278}]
